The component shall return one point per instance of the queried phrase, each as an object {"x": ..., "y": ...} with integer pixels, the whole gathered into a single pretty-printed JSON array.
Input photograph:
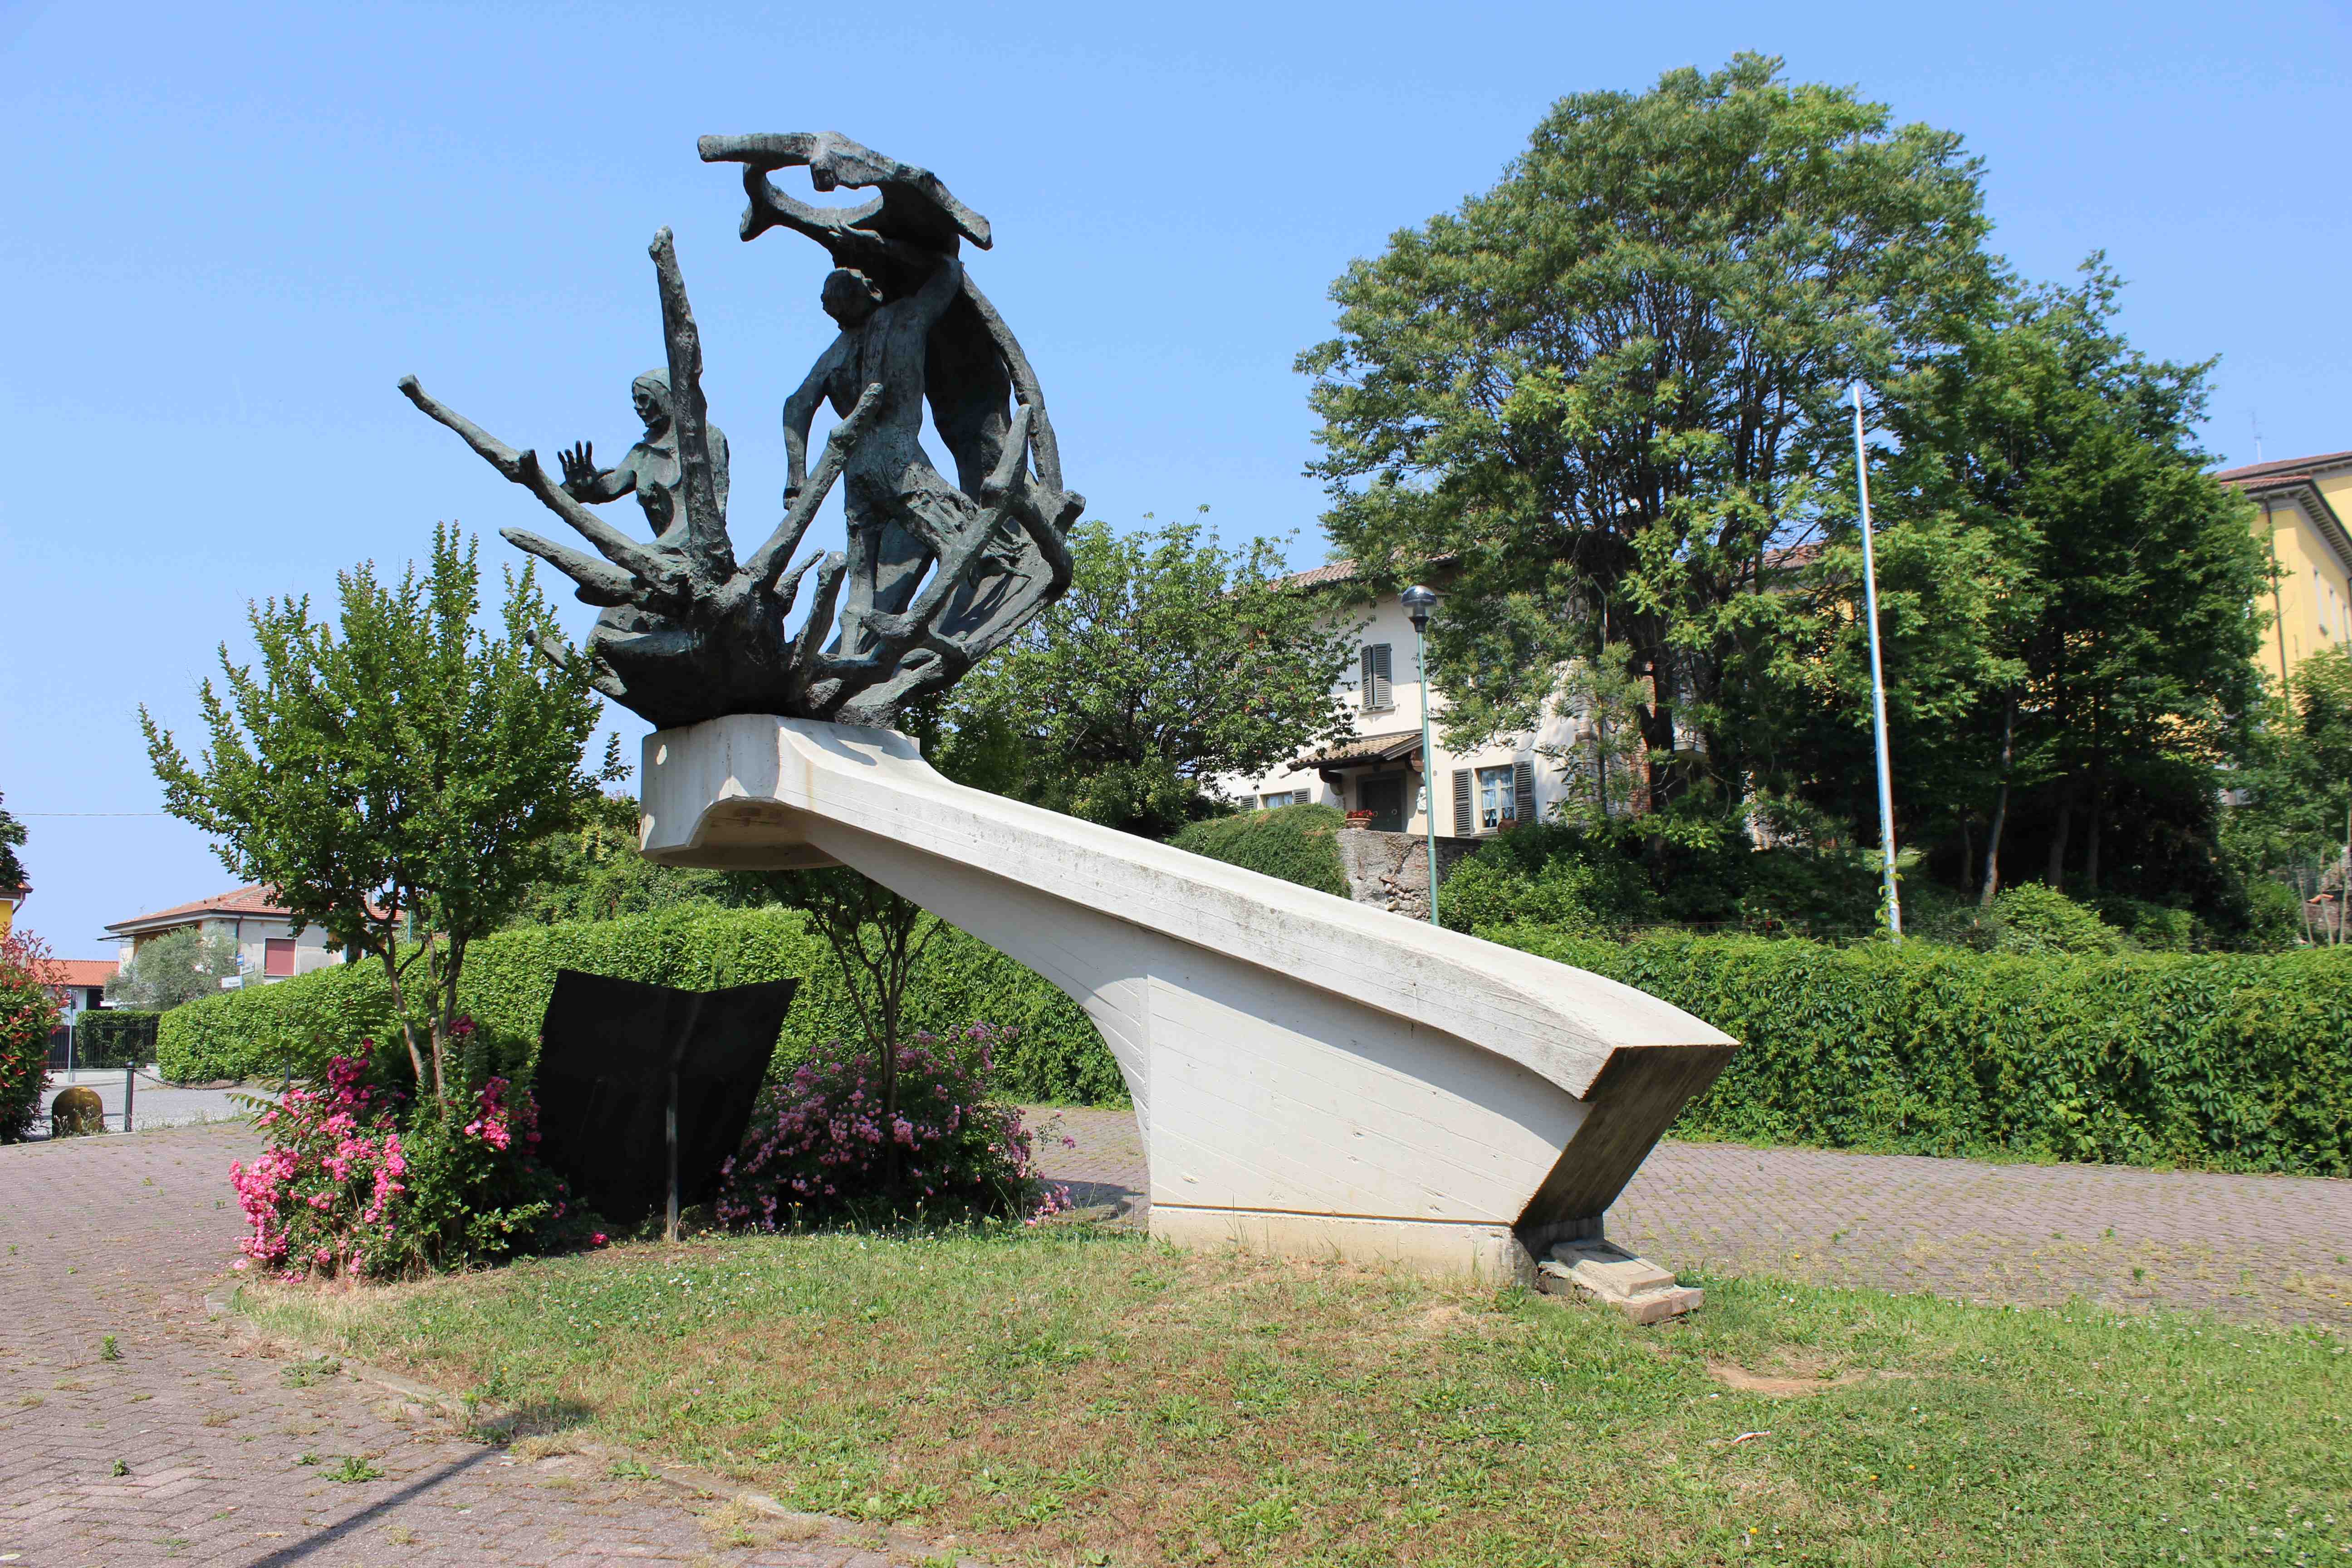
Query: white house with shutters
[
  {"x": 268, "y": 947},
  {"x": 1379, "y": 769}
]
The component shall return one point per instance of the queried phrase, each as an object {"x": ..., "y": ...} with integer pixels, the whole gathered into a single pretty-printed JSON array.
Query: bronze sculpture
[{"x": 937, "y": 575}]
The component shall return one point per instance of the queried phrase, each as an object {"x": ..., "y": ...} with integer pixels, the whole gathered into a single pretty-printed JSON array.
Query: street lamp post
[
  {"x": 1418, "y": 601},
  {"x": 1877, "y": 683}
]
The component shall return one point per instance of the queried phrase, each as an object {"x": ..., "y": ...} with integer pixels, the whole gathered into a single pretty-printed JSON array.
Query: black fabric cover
[{"x": 606, "y": 1053}]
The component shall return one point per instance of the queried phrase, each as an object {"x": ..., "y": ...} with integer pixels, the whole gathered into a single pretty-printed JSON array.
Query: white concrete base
[
  {"x": 1489, "y": 1252},
  {"x": 1323, "y": 1078}
]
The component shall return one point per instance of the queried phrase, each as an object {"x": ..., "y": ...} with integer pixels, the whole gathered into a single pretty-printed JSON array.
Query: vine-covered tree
[{"x": 396, "y": 775}]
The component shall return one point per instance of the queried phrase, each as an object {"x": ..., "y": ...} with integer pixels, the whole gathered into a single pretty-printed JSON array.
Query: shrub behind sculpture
[{"x": 834, "y": 1141}]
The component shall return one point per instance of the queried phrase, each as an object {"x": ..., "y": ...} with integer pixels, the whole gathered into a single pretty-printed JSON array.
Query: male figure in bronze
[{"x": 902, "y": 515}]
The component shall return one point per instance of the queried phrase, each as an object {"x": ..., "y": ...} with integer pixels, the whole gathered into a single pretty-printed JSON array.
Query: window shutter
[
  {"x": 1376, "y": 676},
  {"x": 1464, "y": 824},
  {"x": 1523, "y": 790}
]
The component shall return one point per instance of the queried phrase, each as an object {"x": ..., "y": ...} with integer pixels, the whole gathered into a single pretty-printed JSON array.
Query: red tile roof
[
  {"x": 1338, "y": 571},
  {"x": 2285, "y": 470},
  {"x": 83, "y": 971},
  {"x": 260, "y": 900}
]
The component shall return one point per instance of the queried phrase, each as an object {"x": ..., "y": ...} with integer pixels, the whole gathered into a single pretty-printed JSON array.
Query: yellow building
[{"x": 2303, "y": 503}]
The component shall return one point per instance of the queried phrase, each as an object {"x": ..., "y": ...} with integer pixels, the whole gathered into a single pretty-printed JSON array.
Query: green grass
[{"x": 1069, "y": 1395}]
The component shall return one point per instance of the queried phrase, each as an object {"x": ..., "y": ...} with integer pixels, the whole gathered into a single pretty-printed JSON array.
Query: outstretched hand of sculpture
[{"x": 688, "y": 634}]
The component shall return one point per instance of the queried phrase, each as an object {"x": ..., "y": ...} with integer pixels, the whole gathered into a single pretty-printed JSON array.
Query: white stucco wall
[{"x": 1388, "y": 623}]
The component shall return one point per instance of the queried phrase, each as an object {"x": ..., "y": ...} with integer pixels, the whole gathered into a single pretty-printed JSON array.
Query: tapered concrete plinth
[{"x": 1311, "y": 1077}]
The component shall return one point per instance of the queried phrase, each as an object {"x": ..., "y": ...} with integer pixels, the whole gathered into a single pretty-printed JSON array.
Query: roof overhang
[{"x": 2305, "y": 491}]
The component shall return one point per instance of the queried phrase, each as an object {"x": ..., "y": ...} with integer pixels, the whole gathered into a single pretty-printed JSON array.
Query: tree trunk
[
  {"x": 2090, "y": 834},
  {"x": 1968, "y": 854},
  {"x": 400, "y": 1008},
  {"x": 2056, "y": 873},
  {"x": 2000, "y": 808}
]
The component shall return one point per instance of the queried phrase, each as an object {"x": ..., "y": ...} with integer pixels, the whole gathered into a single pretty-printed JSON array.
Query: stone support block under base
[{"x": 1602, "y": 1271}]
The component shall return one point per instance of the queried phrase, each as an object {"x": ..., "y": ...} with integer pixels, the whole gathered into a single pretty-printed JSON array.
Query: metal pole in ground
[
  {"x": 1417, "y": 601},
  {"x": 671, "y": 1233},
  {"x": 129, "y": 1087},
  {"x": 1877, "y": 679}
]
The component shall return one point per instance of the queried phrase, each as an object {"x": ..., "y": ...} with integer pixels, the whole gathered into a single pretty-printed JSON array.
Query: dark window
[{"x": 1375, "y": 662}]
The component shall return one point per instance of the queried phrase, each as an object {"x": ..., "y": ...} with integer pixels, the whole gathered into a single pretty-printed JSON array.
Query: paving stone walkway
[
  {"x": 2259, "y": 1248},
  {"x": 202, "y": 1445},
  {"x": 192, "y": 1446}
]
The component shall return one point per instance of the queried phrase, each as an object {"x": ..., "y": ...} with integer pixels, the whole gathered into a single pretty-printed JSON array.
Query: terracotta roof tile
[
  {"x": 84, "y": 971},
  {"x": 258, "y": 900}
]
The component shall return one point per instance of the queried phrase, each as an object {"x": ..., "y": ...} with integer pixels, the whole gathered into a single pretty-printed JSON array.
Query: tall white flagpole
[{"x": 1877, "y": 679}]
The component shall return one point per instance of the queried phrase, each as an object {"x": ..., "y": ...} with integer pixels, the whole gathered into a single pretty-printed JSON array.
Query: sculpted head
[
  {"x": 850, "y": 296},
  {"x": 650, "y": 392}
]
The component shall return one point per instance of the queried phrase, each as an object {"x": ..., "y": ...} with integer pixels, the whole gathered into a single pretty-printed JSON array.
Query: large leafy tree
[
  {"x": 1170, "y": 661},
  {"x": 397, "y": 774},
  {"x": 2114, "y": 657},
  {"x": 1610, "y": 388}
]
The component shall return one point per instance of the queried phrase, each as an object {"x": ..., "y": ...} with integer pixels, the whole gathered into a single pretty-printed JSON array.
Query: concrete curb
[{"x": 221, "y": 1303}]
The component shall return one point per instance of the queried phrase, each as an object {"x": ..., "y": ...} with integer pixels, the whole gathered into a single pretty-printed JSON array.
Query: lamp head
[{"x": 1418, "y": 602}]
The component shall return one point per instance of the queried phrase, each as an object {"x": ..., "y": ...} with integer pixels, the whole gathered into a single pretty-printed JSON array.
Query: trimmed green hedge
[
  {"x": 117, "y": 1036},
  {"x": 2227, "y": 1062},
  {"x": 299, "y": 1022},
  {"x": 1294, "y": 843}
]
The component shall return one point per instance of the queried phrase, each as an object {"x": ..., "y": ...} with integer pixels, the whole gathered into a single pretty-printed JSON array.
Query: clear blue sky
[{"x": 231, "y": 229}]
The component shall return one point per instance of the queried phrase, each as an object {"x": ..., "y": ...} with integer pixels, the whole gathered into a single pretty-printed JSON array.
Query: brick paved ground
[
  {"x": 124, "y": 1236},
  {"x": 189, "y": 1447},
  {"x": 2270, "y": 1248}
]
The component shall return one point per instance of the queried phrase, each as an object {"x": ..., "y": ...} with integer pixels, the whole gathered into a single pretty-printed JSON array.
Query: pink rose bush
[
  {"x": 849, "y": 1136},
  {"x": 360, "y": 1180}
]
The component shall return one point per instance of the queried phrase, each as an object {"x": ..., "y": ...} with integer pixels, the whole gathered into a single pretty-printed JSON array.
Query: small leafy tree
[
  {"x": 1170, "y": 661},
  {"x": 397, "y": 774},
  {"x": 178, "y": 966},
  {"x": 879, "y": 939}
]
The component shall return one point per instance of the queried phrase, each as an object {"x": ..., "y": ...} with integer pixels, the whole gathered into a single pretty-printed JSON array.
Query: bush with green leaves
[
  {"x": 28, "y": 1010},
  {"x": 2239, "y": 1062},
  {"x": 115, "y": 1038},
  {"x": 2034, "y": 917},
  {"x": 297, "y": 1024},
  {"x": 1550, "y": 875},
  {"x": 360, "y": 1178},
  {"x": 853, "y": 1135},
  {"x": 1295, "y": 843}
]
